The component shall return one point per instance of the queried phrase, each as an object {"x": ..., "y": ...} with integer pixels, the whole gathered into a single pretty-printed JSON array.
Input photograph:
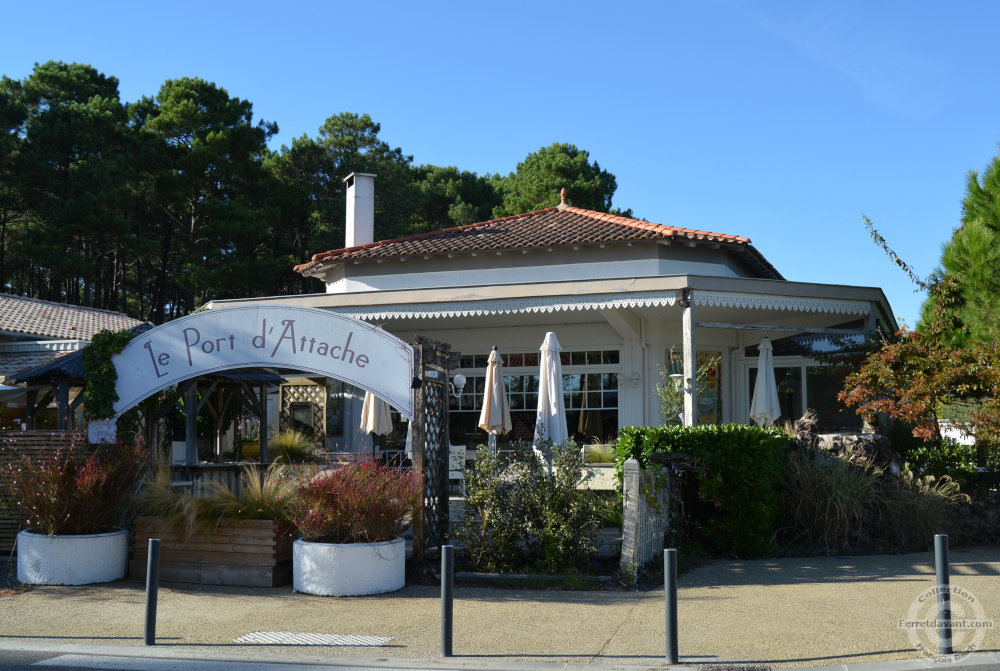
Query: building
[
  {"x": 35, "y": 334},
  {"x": 627, "y": 299}
]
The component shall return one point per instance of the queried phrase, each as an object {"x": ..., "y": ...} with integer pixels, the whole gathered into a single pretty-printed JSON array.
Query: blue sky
[{"x": 781, "y": 121}]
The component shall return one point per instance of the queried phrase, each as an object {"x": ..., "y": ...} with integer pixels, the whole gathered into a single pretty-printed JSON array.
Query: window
[
  {"x": 334, "y": 408},
  {"x": 710, "y": 395},
  {"x": 301, "y": 418},
  {"x": 802, "y": 383},
  {"x": 590, "y": 393},
  {"x": 818, "y": 386}
]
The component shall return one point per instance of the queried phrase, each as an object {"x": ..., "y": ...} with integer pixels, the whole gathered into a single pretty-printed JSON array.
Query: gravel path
[{"x": 775, "y": 613}]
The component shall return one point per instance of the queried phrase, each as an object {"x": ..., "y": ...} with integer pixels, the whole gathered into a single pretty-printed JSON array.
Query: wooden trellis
[{"x": 430, "y": 443}]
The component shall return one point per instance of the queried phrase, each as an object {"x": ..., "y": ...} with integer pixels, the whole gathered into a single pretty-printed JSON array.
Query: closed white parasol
[
  {"x": 550, "y": 423},
  {"x": 495, "y": 415},
  {"x": 764, "y": 408}
]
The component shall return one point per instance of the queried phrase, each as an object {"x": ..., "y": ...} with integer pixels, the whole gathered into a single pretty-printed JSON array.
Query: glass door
[{"x": 789, "y": 382}]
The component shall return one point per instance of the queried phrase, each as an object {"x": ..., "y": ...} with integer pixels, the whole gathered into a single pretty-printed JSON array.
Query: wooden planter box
[{"x": 250, "y": 553}]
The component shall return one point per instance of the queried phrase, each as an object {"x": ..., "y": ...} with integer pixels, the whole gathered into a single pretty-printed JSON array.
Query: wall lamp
[
  {"x": 624, "y": 381},
  {"x": 678, "y": 380},
  {"x": 457, "y": 384}
]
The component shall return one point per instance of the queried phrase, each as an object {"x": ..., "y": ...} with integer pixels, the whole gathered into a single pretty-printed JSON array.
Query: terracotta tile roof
[
  {"x": 551, "y": 227},
  {"x": 47, "y": 320}
]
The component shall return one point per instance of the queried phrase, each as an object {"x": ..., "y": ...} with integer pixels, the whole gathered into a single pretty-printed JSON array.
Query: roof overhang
[{"x": 713, "y": 295}]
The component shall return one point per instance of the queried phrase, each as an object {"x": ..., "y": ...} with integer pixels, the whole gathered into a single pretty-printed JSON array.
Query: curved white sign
[{"x": 272, "y": 336}]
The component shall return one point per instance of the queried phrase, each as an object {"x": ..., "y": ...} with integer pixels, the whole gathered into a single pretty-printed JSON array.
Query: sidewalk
[{"x": 778, "y": 613}]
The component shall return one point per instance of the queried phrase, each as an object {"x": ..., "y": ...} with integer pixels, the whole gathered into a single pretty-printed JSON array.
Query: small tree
[
  {"x": 914, "y": 375},
  {"x": 671, "y": 398}
]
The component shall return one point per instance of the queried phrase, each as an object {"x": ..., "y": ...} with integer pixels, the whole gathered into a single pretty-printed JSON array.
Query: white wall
[{"x": 646, "y": 260}]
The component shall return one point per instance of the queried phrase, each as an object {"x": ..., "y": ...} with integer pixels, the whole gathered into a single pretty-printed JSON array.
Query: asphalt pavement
[{"x": 866, "y": 612}]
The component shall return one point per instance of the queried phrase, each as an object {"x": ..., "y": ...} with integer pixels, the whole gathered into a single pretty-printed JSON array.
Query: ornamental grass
[
  {"x": 296, "y": 447},
  {"x": 835, "y": 506},
  {"x": 360, "y": 502},
  {"x": 264, "y": 495}
]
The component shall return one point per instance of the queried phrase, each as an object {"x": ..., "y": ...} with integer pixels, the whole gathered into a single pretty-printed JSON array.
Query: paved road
[{"x": 774, "y": 613}]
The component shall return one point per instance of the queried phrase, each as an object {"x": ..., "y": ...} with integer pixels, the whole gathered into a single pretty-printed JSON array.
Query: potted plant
[
  {"x": 351, "y": 519},
  {"x": 74, "y": 505},
  {"x": 250, "y": 439},
  {"x": 221, "y": 537},
  {"x": 599, "y": 466}
]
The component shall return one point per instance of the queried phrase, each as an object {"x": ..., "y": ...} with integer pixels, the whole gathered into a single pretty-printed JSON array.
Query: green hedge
[{"x": 741, "y": 478}]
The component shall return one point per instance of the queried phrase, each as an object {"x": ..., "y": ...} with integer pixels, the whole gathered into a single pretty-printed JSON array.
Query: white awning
[
  {"x": 785, "y": 303},
  {"x": 511, "y": 306},
  {"x": 543, "y": 304}
]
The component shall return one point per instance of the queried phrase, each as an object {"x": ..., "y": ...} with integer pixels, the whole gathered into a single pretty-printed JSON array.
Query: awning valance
[{"x": 544, "y": 304}]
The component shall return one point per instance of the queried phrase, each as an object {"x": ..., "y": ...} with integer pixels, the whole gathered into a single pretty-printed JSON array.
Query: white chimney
[{"x": 360, "y": 221}]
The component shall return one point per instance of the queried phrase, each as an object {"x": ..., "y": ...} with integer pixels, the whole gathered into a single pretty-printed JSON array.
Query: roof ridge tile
[{"x": 548, "y": 227}]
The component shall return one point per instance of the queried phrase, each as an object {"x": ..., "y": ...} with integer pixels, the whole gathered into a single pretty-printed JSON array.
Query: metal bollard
[
  {"x": 447, "y": 597},
  {"x": 152, "y": 586},
  {"x": 670, "y": 596},
  {"x": 943, "y": 593}
]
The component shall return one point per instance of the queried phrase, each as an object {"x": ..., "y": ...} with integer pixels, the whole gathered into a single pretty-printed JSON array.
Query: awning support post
[{"x": 690, "y": 361}]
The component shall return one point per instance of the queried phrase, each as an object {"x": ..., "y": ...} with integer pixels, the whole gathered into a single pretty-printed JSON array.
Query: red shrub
[
  {"x": 356, "y": 503},
  {"x": 76, "y": 492}
]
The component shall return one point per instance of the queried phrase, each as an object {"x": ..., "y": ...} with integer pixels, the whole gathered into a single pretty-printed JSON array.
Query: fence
[
  {"x": 646, "y": 517},
  {"x": 195, "y": 479}
]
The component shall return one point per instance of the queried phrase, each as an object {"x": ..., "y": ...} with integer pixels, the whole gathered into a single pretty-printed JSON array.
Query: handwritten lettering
[
  {"x": 287, "y": 334},
  {"x": 192, "y": 337},
  {"x": 163, "y": 359},
  {"x": 287, "y": 347}
]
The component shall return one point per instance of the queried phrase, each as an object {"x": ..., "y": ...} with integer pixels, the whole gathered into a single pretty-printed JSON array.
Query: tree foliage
[
  {"x": 971, "y": 259},
  {"x": 157, "y": 206},
  {"x": 543, "y": 174},
  {"x": 916, "y": 376},
  {"x": 208, "y": 155},
  {"x": 66, "y": 176},
  {"x": 952, "y": 360}
]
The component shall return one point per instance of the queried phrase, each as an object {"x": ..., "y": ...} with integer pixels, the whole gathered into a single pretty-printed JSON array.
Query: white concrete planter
[
  {"x": 599, "y": 477},
  {"x": 349, "y": 569},
  {"x": 71, "y": 560}
]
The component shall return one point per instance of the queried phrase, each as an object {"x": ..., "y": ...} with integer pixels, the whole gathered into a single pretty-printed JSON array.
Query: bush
[
  {"x": 599, "y": 454},
  {"x": 740, "y": 476},
  {"x": 159, "y": 499},
  {"x": 77, "y": 492},
  {"x": 263, "y": 496},
  {"x": 361, "y": 502},
  {"x": 608, "y": 506},
  {"x": 949, "y": 458},
  {"x": 519, "y": 518},
  {"x": 914, "y": 509}
]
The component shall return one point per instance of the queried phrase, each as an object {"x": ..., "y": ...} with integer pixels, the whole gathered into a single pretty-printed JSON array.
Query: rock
[
  {"x": 864, "y": 449},
  {"x": 805, "y": 436},
  {"x": 809, "y": 422},
  {"x": 979, "y": 518}
]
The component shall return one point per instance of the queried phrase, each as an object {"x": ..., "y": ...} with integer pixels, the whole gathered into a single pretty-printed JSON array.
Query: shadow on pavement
[{"x": 918, "y": 567}]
